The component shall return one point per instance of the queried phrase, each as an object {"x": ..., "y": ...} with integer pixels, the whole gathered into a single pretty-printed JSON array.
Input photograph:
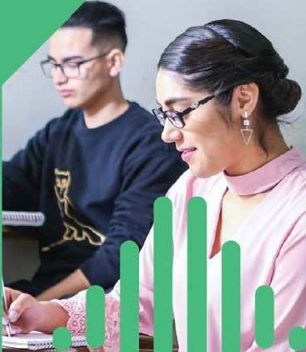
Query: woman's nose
[{"x": 170, "y": 133}]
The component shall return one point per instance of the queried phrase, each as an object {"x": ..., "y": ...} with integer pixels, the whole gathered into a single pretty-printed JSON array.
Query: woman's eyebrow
[{"x": 174, "y": 100}]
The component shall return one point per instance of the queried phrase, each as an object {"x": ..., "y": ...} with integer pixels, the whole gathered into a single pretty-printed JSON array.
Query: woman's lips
[{"x": 187, "y": 154}]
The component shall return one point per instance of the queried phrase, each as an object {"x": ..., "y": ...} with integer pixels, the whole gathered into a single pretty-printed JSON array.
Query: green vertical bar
[
  {"x": 95, "y": 316},
  {"x": 61, "y": 339},
  {"x": 197, "y": 275},
  {"x": 264, "y": 316},
  {"x": 129, "y": 297},
  {"x": 1, "y": 244},
  {"x": 231, "y": 297},
  {"x": 163, "y": 275},
  {"x": 297, "y": 339}
]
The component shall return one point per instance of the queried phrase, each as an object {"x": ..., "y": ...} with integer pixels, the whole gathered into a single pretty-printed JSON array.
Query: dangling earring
[{"x": 246, "y": 131}]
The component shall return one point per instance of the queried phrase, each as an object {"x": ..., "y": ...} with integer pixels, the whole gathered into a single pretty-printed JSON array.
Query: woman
[{"x": 221, "y": 88}]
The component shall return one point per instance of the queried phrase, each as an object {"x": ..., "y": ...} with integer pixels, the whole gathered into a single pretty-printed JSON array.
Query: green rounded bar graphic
[
  {"x": 297, "y": 339},
  {"x": 264, "y": 317},
  {"x": 95, "y": 320},
  {"x": 163, "y": 275},
  {"x": 129, "y": 293},
  {"x": 197, "y": 275},
  {"x": 196, "y": 297},
  {"x": 61, "y": 339}
]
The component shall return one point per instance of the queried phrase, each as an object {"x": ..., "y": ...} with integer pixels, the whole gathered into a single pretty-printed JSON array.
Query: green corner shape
[{"x": 25, "y": 25}]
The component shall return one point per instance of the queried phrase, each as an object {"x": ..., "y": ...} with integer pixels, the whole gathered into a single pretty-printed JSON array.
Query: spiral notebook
[
  {"x": 37, "y": 341},
  {"x": 22, "y": 218}
]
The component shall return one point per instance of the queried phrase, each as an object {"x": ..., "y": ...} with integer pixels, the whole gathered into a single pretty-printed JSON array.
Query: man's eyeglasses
[
  {"x": 176, "y": 117},
  {"x": 70, "y": 69}
]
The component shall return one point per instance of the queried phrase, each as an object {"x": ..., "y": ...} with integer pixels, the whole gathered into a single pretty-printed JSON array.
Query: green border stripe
[{"x": 1, "y": 95}]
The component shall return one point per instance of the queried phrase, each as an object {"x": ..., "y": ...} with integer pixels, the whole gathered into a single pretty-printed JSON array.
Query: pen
[{"x": 8, "y": 325}]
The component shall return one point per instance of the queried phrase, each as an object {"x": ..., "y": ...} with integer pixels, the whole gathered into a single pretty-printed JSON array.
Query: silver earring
[{"x": 246, "y": 130}]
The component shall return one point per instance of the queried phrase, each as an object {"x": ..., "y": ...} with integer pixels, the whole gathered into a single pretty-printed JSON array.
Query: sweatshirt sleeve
[
  {"x": 22, "y": 174},
  {"x": 148, "y": 171}
]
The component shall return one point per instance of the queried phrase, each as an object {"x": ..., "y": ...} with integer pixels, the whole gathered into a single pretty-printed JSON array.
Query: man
[{"x": 95, "y": 171}]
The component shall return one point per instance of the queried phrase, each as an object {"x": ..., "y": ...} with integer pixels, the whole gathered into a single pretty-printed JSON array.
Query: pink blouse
[{"x": 273, "y": 250}]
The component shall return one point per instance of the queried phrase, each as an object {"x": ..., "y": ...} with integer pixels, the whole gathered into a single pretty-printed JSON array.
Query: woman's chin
[{"x": 202, "y": 171}]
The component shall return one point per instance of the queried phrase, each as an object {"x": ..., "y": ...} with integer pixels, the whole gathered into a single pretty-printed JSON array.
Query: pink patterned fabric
[
  {"x": 77, "y": 320},
  {"x": 112, "y": 324},
  {"x": 76, "y": 311},
  {"x": 76, "y": 308}
]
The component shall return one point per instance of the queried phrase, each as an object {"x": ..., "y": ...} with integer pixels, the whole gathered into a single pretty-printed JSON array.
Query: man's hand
[
  {"x": 71, "y": 285},
  {"x": 25, "y": 314}
]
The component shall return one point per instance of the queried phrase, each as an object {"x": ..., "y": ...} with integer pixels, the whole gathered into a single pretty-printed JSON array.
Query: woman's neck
[{"x": 259, "y": 153}]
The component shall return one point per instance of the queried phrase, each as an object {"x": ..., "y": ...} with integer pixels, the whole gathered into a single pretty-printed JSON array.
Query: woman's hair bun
[{"x": 282, "y": 98}]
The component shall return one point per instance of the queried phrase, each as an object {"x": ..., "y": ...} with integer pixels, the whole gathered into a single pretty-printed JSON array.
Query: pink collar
[{"x": 265, "y": 177}]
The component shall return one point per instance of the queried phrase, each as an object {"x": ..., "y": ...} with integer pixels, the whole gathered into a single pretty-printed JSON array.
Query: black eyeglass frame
[
  {"x": 76, "y": 64},
  {"x": 173, "y": 116}
]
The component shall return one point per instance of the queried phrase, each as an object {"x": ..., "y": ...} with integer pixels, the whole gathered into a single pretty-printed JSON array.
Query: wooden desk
[
  {"x": 20, "y": 232},
  {"x": 146, "y": 344}
]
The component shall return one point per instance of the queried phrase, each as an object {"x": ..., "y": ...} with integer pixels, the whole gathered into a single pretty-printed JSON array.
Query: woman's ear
[
  {"x": 245, "y": 98},
  {"x": 115, "y": 60}
]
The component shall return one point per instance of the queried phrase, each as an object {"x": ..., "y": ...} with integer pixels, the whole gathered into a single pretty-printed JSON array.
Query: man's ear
[
  {"x": 245, "y": 98},
  {"x": 115, "y": 60}
]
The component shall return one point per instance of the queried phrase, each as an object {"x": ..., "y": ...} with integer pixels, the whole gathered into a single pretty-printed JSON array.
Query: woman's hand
[{"x": 25, "y": 314}]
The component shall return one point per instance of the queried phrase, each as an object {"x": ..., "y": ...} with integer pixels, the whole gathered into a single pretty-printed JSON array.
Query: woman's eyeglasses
[{"x": 176, "y": 117}]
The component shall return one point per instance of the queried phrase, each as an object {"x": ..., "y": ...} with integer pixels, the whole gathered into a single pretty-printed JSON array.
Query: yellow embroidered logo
[{"x": 75, "y": 230}]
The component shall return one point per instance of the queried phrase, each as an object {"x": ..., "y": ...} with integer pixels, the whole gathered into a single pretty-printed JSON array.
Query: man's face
[{"x": 72, "y": 45}]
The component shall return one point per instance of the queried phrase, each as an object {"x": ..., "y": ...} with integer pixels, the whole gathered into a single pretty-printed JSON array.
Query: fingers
[
  {"x": 7, "y": 328},
  {"x": 20, "y": 312},
  {"x": 4, "y": 329},
  {"x": 13, "y": 331},
  {"x": 19, "y": 305},
  {"x": 11, "y": 295},
  {"x": 5, "y": 320}
]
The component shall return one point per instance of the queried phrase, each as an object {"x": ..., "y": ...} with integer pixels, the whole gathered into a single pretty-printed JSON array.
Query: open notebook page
[{"x": 36, "y": 341}]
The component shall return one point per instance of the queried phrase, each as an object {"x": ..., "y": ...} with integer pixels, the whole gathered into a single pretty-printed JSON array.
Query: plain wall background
[{"x": 29, "y": 99}]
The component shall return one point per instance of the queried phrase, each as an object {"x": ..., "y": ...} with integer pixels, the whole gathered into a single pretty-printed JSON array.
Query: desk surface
[{"x": 20, "y": 232}]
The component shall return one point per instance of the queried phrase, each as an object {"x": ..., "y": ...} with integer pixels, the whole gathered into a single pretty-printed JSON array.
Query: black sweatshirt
[{"x": 96, "y": 188}]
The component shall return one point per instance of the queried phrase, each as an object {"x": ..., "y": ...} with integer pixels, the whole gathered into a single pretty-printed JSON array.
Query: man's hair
[{"x": 105, "y": 20}]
